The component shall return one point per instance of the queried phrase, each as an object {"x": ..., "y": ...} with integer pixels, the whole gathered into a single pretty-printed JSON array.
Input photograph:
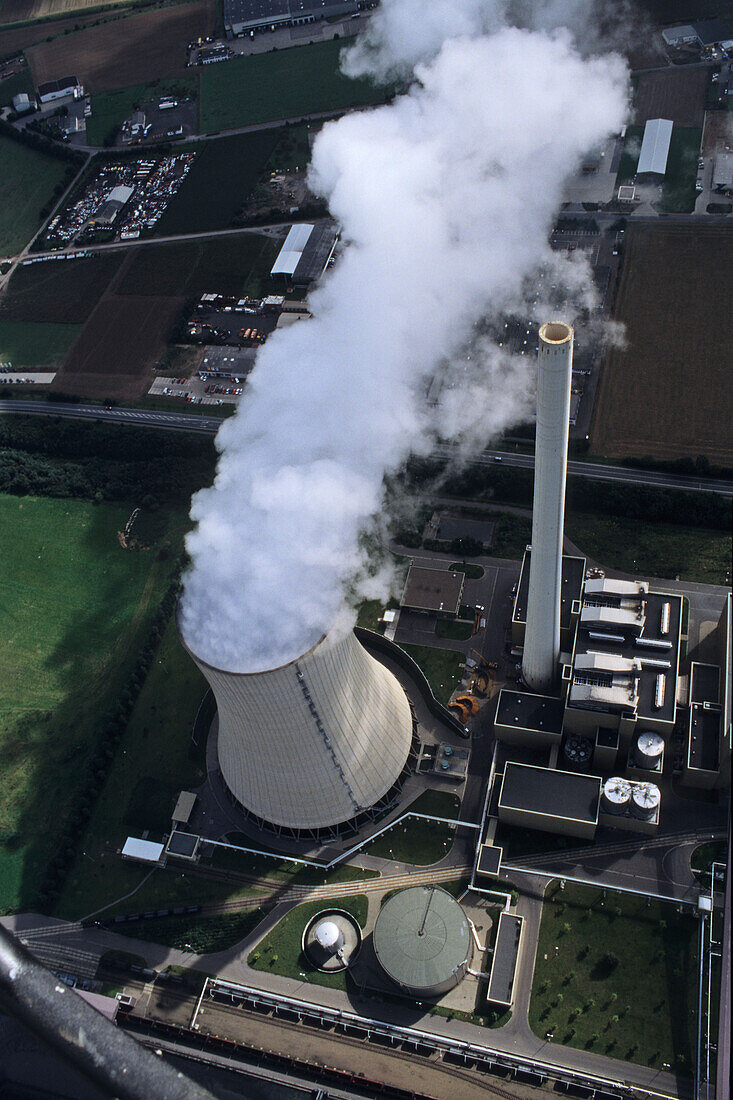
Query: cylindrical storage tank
[
  {"x": 422, "y": 941},
  {"x": 554, "y": 377},
  {"x": 645, "y": 801},
  {"x": 314, "y": 743},
  {"x": 648, "y": 750},
  {"x": 616, "y": 796},
  {"x": 329, "y": 936}
]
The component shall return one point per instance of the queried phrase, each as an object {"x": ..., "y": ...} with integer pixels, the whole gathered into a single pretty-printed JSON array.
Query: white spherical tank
[
  {"x": 616, "y": 796},
  {"x": 645, "y": 801},
  {"x": 554, "y": 378},
  {"x": 329, "y": 936},
  {"x": 649, "y": 749},
  {"x": 315, "y": 743}
]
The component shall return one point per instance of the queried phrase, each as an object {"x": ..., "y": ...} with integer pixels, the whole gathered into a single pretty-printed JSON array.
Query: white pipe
[{"x": 554, "y": 376}]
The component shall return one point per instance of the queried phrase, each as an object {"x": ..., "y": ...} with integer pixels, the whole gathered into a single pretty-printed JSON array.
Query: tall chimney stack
[{"x": 542, "y": 636}]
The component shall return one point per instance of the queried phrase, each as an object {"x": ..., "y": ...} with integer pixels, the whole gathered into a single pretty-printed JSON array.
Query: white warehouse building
[
  {"x": 655, "y": 147},
  {"x": 314, "y": 748}
]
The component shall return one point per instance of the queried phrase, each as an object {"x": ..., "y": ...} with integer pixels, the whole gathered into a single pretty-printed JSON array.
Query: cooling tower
[
  {"x": 542, "y": 635},
  {"x": 315, "y": 744}
]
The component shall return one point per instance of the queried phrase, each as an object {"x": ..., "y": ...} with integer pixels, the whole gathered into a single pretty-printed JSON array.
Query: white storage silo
[
  {"x": 329, "y": 936},
  {"x": 314, "y": 745},
  {"x": 648, "y": 750},
  {"x": 616, "y": 796},
  {"x": 554, "y": 377},
  {"x": 645, "y": 800}
]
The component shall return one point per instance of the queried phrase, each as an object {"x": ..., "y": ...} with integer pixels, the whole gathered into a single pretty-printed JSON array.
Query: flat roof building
[
  {"x": 526, "y": 719},
  {"x": 550, "y": 800},
  {"x": 305, "y": 252},
  {"x": 57, "y": 89},
  {"x": 247, "y": 16},
  {"x": 655, "y": 147},
  {"x": 504, "y": 964},
  {"x": 433, "y": 590},
  {"x": 573, "y": 573},
  {"x": 684, "y": 35}
]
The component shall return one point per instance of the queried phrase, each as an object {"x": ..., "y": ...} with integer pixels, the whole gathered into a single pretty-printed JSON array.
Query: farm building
[
  {"x": 248, "y": 16},
  {"x": 655, "y": 147},
  {"x": 57, "y": 89},
  {"x": 305, "y": 253},
  {"x": 22, "y": 103},
  {"x": 685, "y": 35},
  {"x": 117, "y": 198}
]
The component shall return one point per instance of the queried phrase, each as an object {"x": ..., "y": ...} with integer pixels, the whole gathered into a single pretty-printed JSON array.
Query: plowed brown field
[
  {"x": 134, "y": 50},
  {"x": 669, "y": 393}
]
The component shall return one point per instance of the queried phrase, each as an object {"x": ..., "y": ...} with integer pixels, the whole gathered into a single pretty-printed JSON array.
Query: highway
[{"x": 193, "y": 422}]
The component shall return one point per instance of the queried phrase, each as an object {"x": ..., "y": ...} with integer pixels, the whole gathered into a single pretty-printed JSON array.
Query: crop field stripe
[{"x": 27, "y": 182}]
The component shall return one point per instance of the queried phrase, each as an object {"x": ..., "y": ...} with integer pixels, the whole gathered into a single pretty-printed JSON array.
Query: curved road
[{"x": 180, "y": 421}]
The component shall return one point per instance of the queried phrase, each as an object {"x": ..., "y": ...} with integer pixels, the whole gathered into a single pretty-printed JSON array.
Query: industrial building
[
  {"x": 250, "y": 16},
  {"x": 315, "y": 748},
  {"x": 436, "y": 591},
  {"x": 118, "y": 197},
  {"x": 422, "y": 940},
  {"x": 305, "y": 253},
  {"x": 654, "y": 149},
  {"x": 57, "y": 89},
  {"x": 684, "y": 35},
  {"x": 723, "y": 173}
]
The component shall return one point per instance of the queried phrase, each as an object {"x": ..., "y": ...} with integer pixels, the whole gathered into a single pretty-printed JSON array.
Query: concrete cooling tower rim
[{"x": 193, "y": 652}]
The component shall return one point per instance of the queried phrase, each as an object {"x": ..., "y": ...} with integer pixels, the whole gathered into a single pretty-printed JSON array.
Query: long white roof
[
  {"x": 606, "y": 662},
  {"x": 655, "y": 146},
  {"x": 610, "y": 616},
  {"x": 291, "y": 252},
  {"x": 145, "y": 850},
  {"x": 619, "y": 695},
  {"x": 608, "y": 586}
]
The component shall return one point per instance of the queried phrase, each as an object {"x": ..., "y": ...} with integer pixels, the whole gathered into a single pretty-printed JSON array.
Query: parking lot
[{"x": 158, "y": 123}]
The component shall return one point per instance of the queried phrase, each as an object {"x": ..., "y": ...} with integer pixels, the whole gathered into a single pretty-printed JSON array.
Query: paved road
[{"x": 191, "y": 422}]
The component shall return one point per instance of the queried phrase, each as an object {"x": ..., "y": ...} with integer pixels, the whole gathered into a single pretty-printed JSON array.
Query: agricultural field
[
  {"x": 223, "y": 175},
  {"x": 110, "y": 109},
  {"x": 27, "y": 183},
  {"x": 238, "y": 264},
  {"x": 287, "y": 84},
  {"x": 145, "y": 47},
  {"x": 121, "y": 342},
  {"x": 616, "y": 975},
  {"x": 26, "y": 344},
  {"x": 74, "y": 607},
  {"x": 58, "y": 290},
  {"x": 668, "y": 393},
  {"x": 676, "y": 93},
  {"x": 18, "y": 11}
]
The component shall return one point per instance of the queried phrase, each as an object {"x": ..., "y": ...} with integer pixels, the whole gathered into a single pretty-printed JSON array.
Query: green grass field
[
  {"x": 458, "y": 630},
  {"x": 110, "y": 109},
  {"x": 653, "y": 549},
  {"x": 73, "y": 608},
  {"x": 26, "y": 344},
  {"x": 420, "y": 842},
  {"x": 15, "y": 84},
  {"x": 678, "y": 192},
  {"x": 279, "y": 952},
  {"x": 200, "y": 934},
  {"x": 283, "y": 84},
  {"x": 441, "y": 667},
  {"x": 27, "y": 181},
  {"x": 616, "y": 976}
]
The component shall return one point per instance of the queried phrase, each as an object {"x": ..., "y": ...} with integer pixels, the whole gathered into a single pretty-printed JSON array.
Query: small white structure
[
  {"x": 655, "y": 147},
  {"x": 645, "y": 801},
  {"x": 616, "y": 796},
  {"x": 21, "y": 103},
  {"x": 554, "y": 378},
  {"x": 329, "y": 936},
  {"x": 143, "y": 851}
]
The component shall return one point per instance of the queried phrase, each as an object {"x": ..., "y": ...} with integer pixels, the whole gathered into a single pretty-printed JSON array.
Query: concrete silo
[
  {"x": 542, "y": 635},
  {"x": 316, "y": 747}
]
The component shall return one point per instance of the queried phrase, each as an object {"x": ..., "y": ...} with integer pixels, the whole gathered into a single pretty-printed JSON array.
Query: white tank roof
[
  {"x": 650, "y": 743},
  {"x": 646, "y": 796},
  {"x": 327, "y": 934},
  {"x": 312, "y": 743},
  {"x": 617, "y": 790}
]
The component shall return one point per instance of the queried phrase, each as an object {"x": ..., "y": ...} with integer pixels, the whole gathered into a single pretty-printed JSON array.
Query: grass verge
[
  {"x": 473, "y": 572},
  {"x": 441, "y": 667},
  {"x": 420, "y": 842},
  {"x": 457, "y": 629},
  {"x": 204, "y": 935},
  {"x": 279, "y": 952}
]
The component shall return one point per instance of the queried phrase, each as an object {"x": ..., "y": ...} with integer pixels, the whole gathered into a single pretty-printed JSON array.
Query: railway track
[{"x": 600, "y": 850}]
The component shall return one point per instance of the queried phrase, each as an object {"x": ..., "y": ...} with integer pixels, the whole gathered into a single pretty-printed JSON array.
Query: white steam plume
[{"x": 446, "y": 198}]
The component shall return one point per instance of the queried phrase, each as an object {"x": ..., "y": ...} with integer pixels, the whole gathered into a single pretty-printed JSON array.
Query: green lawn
[
  {"x": 420, "y": 842},
  {"x": 472, "y": 571},
  {"x": 110, "y": 109},
  {"x": 281, "y": 84},
  {"x": 15, "y": 84},
  {"x": 26, "y": 344},
  {"x": 678, "y": 192},
  {"x": 27, "y": 182},
  {"x": 279, "y": 952},
  {"x": 511, "y": 535},
  {"x": 203, "y": 935},
  {"x": 616, "y": 976},
  {"x": 441, "y": 668},
  {"x": 283, "y": 870},
  {"x": 457, "y": 629},
  {"x": 74, "y": 607},
  {"x": 653, "y": 549}
]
